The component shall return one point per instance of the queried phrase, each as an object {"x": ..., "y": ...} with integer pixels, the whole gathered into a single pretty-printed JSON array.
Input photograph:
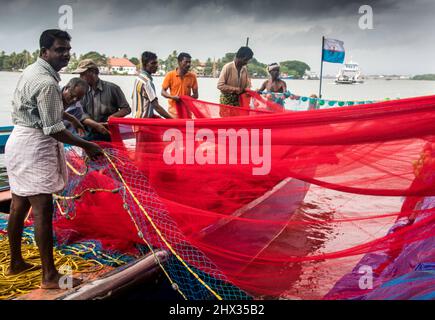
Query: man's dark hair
[
  {"x": 49, "y": 36},
  {"x": 147, "y": 57},
  {"x": 244, "y": 52},
  {"x": 74, "y": 82},
  {"x": 183, "y": 55}
]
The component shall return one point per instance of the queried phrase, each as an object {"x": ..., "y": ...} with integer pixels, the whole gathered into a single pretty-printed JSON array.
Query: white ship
[
  {"x": 310, "y": 75},
  {"x": 349, "y": 74}
]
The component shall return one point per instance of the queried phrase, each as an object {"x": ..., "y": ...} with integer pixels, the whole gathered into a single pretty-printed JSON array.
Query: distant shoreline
[{"x": 428, "y": 77}]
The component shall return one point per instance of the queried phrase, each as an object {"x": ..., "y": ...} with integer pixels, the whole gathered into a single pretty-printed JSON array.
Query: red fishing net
[{"x": 274, "y": 203}]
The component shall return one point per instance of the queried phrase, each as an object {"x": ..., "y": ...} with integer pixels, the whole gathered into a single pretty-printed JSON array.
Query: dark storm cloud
[
  {"x": 278, "y": 29},
  {"x": 262, "y": 8},
  {"x": 175, "y": 11},
  {"x": 309, "y": 8},
  {"x": 106, "y": 15}
]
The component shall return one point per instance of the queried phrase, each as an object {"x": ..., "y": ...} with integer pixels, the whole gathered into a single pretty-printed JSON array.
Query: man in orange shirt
[{"x": 180, "y": 82}]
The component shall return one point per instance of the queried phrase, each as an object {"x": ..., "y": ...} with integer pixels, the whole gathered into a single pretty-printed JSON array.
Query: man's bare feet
[
  {"x": 56, "y": 282},
  {"x": 19, "y": 267}
]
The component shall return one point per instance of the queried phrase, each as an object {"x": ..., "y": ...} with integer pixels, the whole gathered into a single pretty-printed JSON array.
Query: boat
[
  {"x": 109, "y": 281},
  {"x": 349, "y": 74},
  {"x": 286, "y": 197},
  {"x": 310, "y": 75},
  {"x": 4, "y": 135}
]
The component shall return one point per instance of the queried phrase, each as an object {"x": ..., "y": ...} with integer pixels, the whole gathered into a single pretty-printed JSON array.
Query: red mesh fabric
[
  {"x": 98, "y": 215},
  {"x": 335, "y": 182},
  {"x": 251, "y": 104},
  {"x": 253, "y": 100}
]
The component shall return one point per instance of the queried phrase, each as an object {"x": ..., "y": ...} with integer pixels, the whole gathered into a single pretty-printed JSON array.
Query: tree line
[
  {"x": 292, "y": 68},
  {"x": 17, "y": 61},
  {"x": 429, "y": 76},
  {"x": 211, "y": 67}
]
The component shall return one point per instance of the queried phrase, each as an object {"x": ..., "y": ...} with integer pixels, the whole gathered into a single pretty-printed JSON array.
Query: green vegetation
[
  {"x": 17, "y": 61},
  {"x": 294, "y": 68},
  {"x": 99, "y": 59},
  {"x": 429, "y": 76},
  {"x": 135, "y": 61}
]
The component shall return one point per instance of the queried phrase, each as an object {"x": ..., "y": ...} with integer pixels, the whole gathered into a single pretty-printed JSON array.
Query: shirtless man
[{"x": 274, "y": 84}]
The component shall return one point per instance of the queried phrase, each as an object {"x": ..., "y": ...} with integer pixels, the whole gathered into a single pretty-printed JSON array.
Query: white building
[{"x": 121, "y": 66}]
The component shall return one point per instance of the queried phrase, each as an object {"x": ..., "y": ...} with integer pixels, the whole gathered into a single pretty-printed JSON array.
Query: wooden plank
[
  {"x": 122, "y": 277},
  {"x": 103, "y": 283},
  {"x": 53, "y": 294}
]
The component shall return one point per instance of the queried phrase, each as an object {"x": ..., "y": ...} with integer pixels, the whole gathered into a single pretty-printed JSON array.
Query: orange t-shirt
[{"x": 179, "y": 86}]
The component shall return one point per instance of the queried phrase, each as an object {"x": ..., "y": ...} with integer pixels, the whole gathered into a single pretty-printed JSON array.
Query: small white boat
[{"x": 349, "y": 74}]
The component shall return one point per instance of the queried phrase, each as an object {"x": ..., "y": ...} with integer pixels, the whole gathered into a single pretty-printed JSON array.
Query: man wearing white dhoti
[{"x": 34, "y": 156}]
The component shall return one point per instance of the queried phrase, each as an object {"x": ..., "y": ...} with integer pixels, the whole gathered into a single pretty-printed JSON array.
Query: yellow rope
[
  {"x": 171, "y": 249},
  {"x": 169, "y": 246},
  {"x": 79, "y": 195},
  {"x": 173, "y": 284},
  {"x": 75, "y": 170},
  {"x": 12, "y": 286}
]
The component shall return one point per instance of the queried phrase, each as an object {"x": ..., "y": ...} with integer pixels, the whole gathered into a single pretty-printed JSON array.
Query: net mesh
[{"x": 263, "y": 203}]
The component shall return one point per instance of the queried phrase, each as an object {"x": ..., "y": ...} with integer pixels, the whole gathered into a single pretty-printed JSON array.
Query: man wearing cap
[
  {"x": 103, "y": 100},
  {"x": 274, "y": 85}
]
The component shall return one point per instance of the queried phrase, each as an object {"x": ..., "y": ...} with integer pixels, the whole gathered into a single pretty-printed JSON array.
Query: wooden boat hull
[
  {"x": 107, "y": 282},
  {"x": 4, "y": 135}
]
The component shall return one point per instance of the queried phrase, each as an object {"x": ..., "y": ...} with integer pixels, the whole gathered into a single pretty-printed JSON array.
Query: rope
[
  {"x": 320, "y": 101},
  {"x": 159, "y": 233},
  {"x": 12, "y": 286},
  {"x": 150, "y": 220},
  {"x": 140, "y": 234}
]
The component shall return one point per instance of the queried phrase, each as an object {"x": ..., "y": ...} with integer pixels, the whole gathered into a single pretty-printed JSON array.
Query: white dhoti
[{"x": 35, "y": 162}]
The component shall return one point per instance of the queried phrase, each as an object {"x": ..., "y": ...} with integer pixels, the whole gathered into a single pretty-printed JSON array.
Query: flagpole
[{"x": 321, "y": 68}]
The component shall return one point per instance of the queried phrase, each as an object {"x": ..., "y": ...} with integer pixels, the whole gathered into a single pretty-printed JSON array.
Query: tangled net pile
[{"x": 336, "y": 185}]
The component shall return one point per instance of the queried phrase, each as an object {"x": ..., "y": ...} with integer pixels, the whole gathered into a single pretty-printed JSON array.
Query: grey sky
[{"x": 402, "y": 41}]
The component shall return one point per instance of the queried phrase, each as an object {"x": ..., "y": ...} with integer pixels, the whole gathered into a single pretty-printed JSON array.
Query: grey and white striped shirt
[{"x": 38, "y": 99}]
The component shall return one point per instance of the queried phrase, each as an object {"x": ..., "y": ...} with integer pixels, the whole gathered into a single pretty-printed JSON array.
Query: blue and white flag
[{"x": 333, "y": 51}]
